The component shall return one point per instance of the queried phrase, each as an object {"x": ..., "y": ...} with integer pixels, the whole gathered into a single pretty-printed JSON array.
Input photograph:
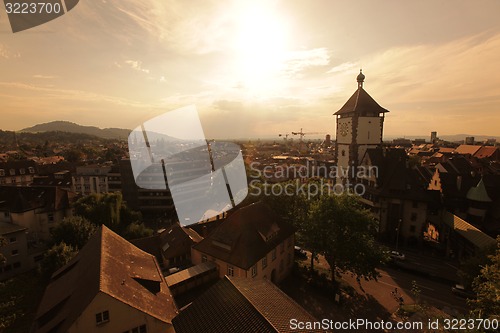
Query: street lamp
[{"x": 397, "y": 233}]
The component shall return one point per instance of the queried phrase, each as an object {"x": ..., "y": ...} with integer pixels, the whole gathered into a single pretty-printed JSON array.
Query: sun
[{"x": 261, "y": 46}]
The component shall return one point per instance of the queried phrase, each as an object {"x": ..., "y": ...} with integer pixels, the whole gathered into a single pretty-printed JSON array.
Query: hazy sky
[{"x": 257, "y": 68}]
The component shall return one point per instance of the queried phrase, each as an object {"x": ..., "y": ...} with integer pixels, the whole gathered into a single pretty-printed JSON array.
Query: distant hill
[
  {"x": 66, "y": 126},
  {"x": 450, "y": 138},
  {"x": 461, "y": 137}
]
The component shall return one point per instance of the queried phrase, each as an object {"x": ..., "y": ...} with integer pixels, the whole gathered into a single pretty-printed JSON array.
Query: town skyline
[{"x": 257, "y": 69}]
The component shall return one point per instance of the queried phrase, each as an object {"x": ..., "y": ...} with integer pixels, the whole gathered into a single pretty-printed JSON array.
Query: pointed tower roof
[
  {"x": 361, "y": 102},
  {"x": 478, "y": 193}
]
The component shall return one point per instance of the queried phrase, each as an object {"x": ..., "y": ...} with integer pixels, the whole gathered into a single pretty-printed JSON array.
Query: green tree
[
  {"x": 343, "y": 233},
  {"x": 100, "y": 208},
  {"x": 108, "y": 209},
  {"x": 73, "y": 155},
  {"x": 74, "y": 231},
  {"x": 487, "y": 287},
  {"x": 292, "y": 204},
  {"x": 416, "y": 291},
  {"x": 56, "y": 257},
  {"x": 137, "y": 230},
  {"x": 471, "y": 267}
]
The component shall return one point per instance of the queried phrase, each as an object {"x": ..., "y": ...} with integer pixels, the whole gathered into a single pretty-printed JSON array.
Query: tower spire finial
[{"x": 360, "y": 78}]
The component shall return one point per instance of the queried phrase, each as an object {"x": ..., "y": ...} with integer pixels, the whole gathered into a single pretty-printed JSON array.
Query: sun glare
[{"x": 261, "y": 44}]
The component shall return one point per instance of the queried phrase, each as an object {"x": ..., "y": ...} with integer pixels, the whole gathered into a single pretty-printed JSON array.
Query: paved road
[{"x": 433, "y": 293}]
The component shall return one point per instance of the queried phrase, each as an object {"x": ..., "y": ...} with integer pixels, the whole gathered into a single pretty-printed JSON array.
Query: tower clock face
[{"x": 343, "y": 129}]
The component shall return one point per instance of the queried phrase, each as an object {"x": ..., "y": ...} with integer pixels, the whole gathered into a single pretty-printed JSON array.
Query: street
[
  {"x": 433, "y": 293},
  {"x": 433, "y": 276}
]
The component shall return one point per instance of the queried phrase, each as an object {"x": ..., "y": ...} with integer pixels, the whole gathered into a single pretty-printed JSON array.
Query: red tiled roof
[
  {"x": 445, "y": 150},
  {"x": 467, "y": 149},
  {"x": 107, "y": 264},
  {"x": 486, "y": 151}
]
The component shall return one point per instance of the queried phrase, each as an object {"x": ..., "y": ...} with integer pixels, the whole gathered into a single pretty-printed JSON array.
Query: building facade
[
  {"x": 17, "y": 172},
  {"x": 253, "y": 242},
  {"x": 360, "y": 124}
]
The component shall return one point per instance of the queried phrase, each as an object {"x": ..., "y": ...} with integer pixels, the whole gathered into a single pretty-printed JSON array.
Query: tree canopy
[
  {"x": 487, "y": 287},
  {"x": 110, "y": 209},
  {"x": 335, "y": 226},
  {"x": 56, "y": 257},
  {"x": 74, "y": 231},
  {"x": 343, "y": 232}
]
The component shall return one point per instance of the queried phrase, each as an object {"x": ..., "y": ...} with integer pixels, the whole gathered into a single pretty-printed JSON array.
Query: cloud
[
  {"x": 299, "y": 61},
  {"x": 50, "y": 93},
  {"x": 136, "y": 65},
  {"x": 39, "y": 76},
  {"x": 342, "y": 67},
  {"x": 6, "y": 53},
  {"x": 438, "y": 82}
]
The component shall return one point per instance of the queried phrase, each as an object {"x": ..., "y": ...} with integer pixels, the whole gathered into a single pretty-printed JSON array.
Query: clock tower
[{"x": 360, "y": 124}]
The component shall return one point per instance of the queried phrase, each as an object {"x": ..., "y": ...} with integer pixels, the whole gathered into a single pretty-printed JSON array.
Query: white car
[{"x": 397, "y": 255}]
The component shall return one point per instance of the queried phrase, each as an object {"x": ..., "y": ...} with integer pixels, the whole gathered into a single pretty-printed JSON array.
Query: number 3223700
[{"x": 32, "y": 8}]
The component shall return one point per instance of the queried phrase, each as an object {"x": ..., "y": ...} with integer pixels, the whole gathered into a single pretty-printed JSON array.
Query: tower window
[{"x": 343, "y": 152}]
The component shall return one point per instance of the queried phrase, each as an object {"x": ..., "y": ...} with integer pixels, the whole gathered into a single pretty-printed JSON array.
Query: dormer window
[
  {"x": 22, "y": 171},
  {"x": 2, "y": 172},
  {"x": 12, "y": 172}
]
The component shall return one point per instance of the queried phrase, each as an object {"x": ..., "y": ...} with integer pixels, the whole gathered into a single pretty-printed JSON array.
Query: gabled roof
[
  {"x": 170, "y": 243},
  {"x": 467, "y": 149},
  {"x": 486, "y": 151},
  {"x": 446, "y": 150},
  {"x": 475, "y": 236},
  {"x": 394, "y": 178},
  {"x": 176, "y": 239},
  {"x": 241, "y": 305},
  {"x": 246, "y": 236},
  {"x": 362, "y": 103},
  {"x": 111, "y": 265},
  {"x": 478, "y": 193}
]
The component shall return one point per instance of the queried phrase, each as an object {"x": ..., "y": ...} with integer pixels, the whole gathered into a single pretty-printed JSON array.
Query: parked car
[
  {"x": 173, "y": 270},
  {"x": 460, "y": 291},
  {"x": 300, "y": 253},
  {"x": 395, "y": 255}
]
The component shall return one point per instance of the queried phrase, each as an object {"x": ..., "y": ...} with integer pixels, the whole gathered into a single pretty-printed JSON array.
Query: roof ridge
[
  {"x": 282, "y": 293},
  {"x": 252, "y": 304},
  {"x": 101, "y": 245}
]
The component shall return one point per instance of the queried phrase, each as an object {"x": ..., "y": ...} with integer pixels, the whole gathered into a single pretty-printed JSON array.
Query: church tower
[{"x": 360, "y": 124}]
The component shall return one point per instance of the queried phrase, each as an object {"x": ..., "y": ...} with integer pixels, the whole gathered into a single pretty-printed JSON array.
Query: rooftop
[
  {"x": 111, "y": 265},
  {"x": 241, "y": 305},
  {"x": 246, "y": 236},
  {"x": 361, "y": 102}
]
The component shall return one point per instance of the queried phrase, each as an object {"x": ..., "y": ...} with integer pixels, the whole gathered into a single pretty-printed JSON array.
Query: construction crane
[
  {"x": 301, "y": 133},
  {"x": 285, "y": 135}
]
